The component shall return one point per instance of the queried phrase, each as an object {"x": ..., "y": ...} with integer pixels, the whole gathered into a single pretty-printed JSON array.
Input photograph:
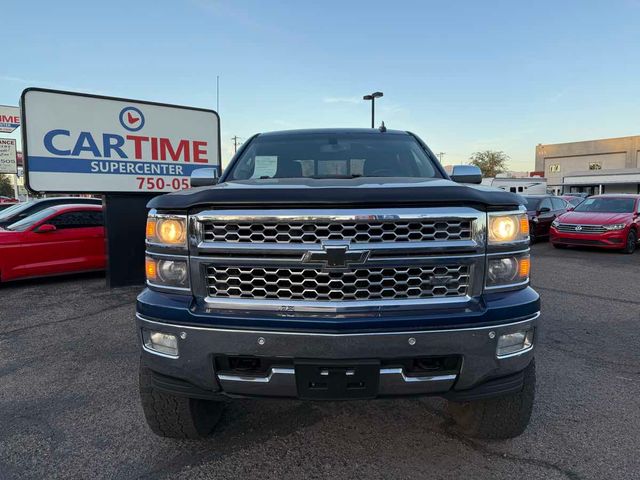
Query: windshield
[
  {"x": 11, "y": 211},
  {"x": 31, "y": 220},
  {"x": 607, "y": 205},
  {"x": 532, "y": 203},
  {"x": 333, "y": 155}
]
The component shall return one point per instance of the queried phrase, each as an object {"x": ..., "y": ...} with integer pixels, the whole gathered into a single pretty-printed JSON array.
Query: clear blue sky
[{"x": 464, "y": 75}]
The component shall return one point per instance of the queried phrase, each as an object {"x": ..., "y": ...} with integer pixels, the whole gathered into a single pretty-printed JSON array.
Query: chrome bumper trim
[{"x": 281, "y": 382}]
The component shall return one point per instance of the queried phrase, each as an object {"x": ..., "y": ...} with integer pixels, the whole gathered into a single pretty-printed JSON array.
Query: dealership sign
[
  {"x": 88, "y": 143},
  {"x": 9, "y": 118},
  {"x": 8, "y": 156}
]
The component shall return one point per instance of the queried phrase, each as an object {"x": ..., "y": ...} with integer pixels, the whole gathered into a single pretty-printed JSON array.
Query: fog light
[
  {"x": 515, "y": 342},
  {"x": 164, "y": 343}
]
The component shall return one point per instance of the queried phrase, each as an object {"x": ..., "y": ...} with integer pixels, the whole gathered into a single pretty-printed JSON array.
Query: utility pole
[
  {"x": 235, "y": 139},
  {"x": 218, "y": 94},
  {"x": 440, "y": 155}
]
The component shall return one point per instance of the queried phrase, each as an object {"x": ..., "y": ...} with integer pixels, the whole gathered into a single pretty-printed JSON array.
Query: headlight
[
  {"x": 167, "y": 273},
  {"x": 508, "y": 228},
  {"x": 555, "y": 223},
  {"x": 169, "y": 230},
  {"x": 508, "y": 270},
  {"x": 615, "y": 226}
]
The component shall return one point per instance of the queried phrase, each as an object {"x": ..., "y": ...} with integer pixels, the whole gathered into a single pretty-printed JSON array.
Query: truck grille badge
[{"x": 336, "y": 256}]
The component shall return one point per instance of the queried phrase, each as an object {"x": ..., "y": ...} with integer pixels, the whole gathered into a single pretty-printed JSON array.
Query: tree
[
  {"x": 490, "y": 162},
  {"x": 6, "y": 187}
]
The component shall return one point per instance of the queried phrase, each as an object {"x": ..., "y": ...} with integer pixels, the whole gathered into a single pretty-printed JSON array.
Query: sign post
[{"x": 126, "y": 150}]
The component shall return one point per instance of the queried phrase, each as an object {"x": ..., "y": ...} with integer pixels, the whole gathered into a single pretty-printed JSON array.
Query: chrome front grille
[
  {"x": 273, "y": 283},
  {"x": 365, "y": 230},
  {"x": 572, "y": 228},
  {"x": 317, "y": 261}
]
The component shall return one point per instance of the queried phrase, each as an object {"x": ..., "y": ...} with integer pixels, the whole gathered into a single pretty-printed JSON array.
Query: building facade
[{"x": 610, "y": 165}]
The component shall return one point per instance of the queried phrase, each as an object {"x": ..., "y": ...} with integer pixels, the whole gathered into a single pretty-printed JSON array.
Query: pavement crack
[
  {"x": 586, "y": 295},
  {"x": 63, "y": 320},
  {"x": 447, "y": 428}
]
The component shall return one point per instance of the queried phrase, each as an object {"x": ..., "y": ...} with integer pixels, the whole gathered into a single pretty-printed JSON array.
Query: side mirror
[
  {"x": 570, "y": 209},
  {"x": 47, "y": 227},
  {"x": 466, "y": 174},
  {"x": 203, "y": 177}
]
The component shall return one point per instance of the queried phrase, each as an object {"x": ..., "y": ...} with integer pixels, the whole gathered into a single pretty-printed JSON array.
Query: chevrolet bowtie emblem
[{"x": 335, "y": 256}]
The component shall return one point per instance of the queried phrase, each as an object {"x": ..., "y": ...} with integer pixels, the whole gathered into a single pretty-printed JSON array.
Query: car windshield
[
  {"x": 574, "y": 200},
  {"x": 31, "y": 220},
  {"x": 11, "y": 211},
  {"x": 607, "y": 205},
  {"x": 333, "y": 155},
  {"x": 532, "y": 203}
]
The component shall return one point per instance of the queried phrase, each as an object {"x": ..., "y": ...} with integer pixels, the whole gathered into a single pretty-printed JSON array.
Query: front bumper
[
  {"x": 193, "y": 372},
  {"x": 613, "y": 239}
]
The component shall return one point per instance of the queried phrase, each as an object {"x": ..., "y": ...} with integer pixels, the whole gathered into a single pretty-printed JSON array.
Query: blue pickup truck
[{"x": 337, "y": 264}]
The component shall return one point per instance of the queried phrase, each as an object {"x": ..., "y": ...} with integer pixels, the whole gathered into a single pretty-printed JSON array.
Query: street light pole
[{"x": 373, "y": 97}]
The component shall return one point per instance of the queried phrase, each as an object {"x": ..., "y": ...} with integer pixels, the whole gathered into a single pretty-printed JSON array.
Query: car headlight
[
  {"x": 167, "y": 273},
  {"x": 508, "y": 228},
  {"x": 555, "y": 223},
  {"x": 167, "y": 230},
  {"x": 508, "y": 270},
  {"x": 615, "y": 226}
]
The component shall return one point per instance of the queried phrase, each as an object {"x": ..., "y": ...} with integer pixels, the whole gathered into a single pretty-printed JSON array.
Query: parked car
[
  {"x": 606, "y": 221},
  {"x": 23, "y": 210},
  {"x": 577, "y": 194},
  {"x": 57, "y": 240},
  {"x": 574, "y": 200},
  {"x": 6, "y": 202},
  {"x": 542, "y": 210}
]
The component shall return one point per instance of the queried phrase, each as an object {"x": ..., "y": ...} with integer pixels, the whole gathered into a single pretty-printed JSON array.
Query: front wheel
[
  {"x": 497, "y": 418},
  {"x": 632, "y": 242},
  {"x": 175, "y": 416}
]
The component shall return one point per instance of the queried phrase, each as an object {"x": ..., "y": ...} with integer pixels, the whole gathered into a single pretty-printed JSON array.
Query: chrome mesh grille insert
[
  {"x": 277, "y": 283},
  {"x": 571, "y": 228},
  {"x": 365, "y": 231}
]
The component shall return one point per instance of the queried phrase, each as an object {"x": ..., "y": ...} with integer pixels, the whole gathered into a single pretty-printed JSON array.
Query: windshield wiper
[{"x": 320, "y": 177}]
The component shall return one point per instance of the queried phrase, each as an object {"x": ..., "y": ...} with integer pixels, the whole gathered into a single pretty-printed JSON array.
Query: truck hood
[
  {"x": 365, "y": 192},
  {"x": 595, "y": 218}
]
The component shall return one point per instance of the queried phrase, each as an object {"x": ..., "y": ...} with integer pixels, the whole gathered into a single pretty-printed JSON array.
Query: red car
[
  {"x": 572, "y": 199},
  {"x": 607, "y": 221},
  {"x": 57, "y": 240},
  {"x": 6, "y": 202}
]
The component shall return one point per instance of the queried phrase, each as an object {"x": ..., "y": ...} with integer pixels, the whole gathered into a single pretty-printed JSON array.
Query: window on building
[
  {"x": 554, "y": 168},
  {"x": 595, "y": 166}
]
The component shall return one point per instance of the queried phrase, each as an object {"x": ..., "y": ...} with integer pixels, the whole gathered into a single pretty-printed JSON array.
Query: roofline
[{"x": 324, "y": 131}]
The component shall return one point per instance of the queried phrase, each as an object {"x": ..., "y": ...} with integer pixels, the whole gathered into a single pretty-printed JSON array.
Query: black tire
[
  {"x": 174, "y": 416},
  {"x": 497, "y": 418},
  {"x": 632, "y": 242}
]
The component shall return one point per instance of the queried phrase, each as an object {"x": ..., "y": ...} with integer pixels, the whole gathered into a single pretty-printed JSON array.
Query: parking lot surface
[{"x": 69, "y": 403}]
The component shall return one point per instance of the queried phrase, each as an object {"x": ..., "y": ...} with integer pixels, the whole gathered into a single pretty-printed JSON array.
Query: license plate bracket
[{"x": 337, "y": 379}]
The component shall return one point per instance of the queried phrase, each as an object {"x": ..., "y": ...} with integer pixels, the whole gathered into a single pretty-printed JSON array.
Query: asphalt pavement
[{"x": 69, "y": 403}]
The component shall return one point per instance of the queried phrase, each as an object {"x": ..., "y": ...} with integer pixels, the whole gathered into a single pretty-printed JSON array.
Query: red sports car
[
  {"x": 607, "y": 221},
  {"x": 57, "y": 240}
]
